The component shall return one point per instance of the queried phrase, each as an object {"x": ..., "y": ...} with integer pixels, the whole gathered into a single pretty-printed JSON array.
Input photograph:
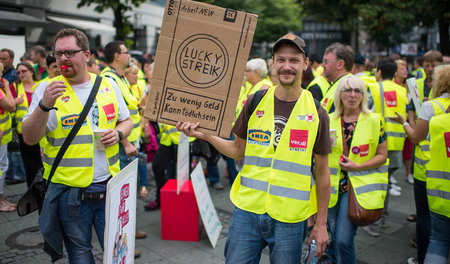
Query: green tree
[
  {"x": 275, "y": 18},
  {"x": 384, "y": 20},
  {"x": 121, "y": 21}
]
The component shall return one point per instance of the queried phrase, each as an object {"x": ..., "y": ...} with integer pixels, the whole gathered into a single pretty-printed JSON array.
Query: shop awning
[
  {"x": 84, "y": 24},
  {"x": 20, "y": 19}
]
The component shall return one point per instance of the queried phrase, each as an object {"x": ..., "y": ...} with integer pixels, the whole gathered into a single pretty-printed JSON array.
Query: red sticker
[
  {"x": 109, "y": 111},
  {"x": 447, "y": 143},
  {"x": 391, "y": 98},
  {"x": 298, "y": 138},
  {"x": 259, "y": 113},
  {"x": 355, "y": 150},
  {"x": 325, "y": 102},
  {"x": 364, "y": 150}
]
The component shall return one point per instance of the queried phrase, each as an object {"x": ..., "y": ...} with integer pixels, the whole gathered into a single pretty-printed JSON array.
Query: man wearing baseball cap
[{"x": 275, "y": 192}]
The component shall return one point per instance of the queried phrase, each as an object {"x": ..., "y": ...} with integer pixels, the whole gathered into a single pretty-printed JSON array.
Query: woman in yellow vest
[
  {"x": 437, "y": 106},
  {"x": 359, "y": 155},
  {"x": 23, "y": 90},
  {"x": 438, "y": 189}
]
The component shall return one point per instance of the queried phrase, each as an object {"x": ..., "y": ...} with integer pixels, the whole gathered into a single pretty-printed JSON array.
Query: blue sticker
[
  {"x": 67, "y": 122},
  {"x": 259, "y": 137}
]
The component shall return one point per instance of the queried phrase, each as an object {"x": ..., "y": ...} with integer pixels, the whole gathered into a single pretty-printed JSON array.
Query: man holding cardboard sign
[{"x": 275, "y": 193}]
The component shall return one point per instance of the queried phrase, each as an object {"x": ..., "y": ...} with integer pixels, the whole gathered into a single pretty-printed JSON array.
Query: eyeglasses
[
  {"x": 124, "y": 52},
  {"x": 67, "y": 53},
  {"x": 350, "y": 90},
  {"x": 22, "y": 71},
  {"x": 328, "y": 61}
]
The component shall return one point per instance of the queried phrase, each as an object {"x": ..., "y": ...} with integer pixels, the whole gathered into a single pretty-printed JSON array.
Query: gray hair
[{"x": 258, "y": 65}]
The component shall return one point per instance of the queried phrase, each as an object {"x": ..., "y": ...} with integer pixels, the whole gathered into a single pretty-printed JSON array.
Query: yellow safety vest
[
  {"x": 76, "y": 168},
  {"x": 278, "y": 181},
  {"x": 422, "y": 151},
  {"x": 21, "y": 109},
  {"x": 130, "y": 100},
  {"x": 318, "y": 71},
  {"x": 5, "y": 124},
  {"x": 322, "y": 82},
  {"x": 328, "y": 99},
  {"x": 243, "y": 99},
  {"x": 370, "y": 186},
  {"x": 438, "y": 169},
  {"x": 170, "y": 135},
  {"x": 394, "y": 100},
  {"x": 368, "y": 80}
]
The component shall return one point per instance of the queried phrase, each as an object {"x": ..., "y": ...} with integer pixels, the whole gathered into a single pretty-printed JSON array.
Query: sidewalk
[{"x": 392, "y": 246}]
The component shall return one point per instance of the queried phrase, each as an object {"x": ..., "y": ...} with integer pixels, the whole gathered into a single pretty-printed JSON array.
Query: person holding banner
[
  {"x": 418, "y": 135},
  {"x": 275, "y": 193},
  {"x": 75, "y": 198}
]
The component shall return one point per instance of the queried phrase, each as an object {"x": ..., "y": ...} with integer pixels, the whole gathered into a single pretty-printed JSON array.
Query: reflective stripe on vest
[
  {"x": 58, "y": 142},
  {"x": 382, "y": 169},
  {"x": 371, "y": 188},
  {"x": 439, "y": 193},
  {"x": 69, "y": 162},
  {"x": 444, "y": 175}
]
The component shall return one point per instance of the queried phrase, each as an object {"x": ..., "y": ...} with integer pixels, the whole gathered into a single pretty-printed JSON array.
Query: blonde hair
[
  {"x": 441, "y": 80},
  {"x": 1, "y": 67},
  {"x": 400, "y": 61},
  {"x": 350, "y": 81},
  {"x": 131, "y": 68}
]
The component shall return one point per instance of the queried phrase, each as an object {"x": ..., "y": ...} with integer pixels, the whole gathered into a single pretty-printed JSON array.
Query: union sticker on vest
[
  {"x": 447, "y": 143},
  {"x": 109, "y": 111},
  {"x": 364, "y": 150},
  {"x": 259, "y": 137},
  {"x": 298, "y": 140},
  {"x": 391, "y": 98}
]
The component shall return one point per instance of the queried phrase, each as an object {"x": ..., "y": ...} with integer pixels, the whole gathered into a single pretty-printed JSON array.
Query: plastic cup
[
  {"x": 333, "y": 137},
  {"x": 98, "y": 134}
]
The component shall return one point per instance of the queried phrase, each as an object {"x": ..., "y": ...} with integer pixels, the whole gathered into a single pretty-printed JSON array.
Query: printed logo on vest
[
  {"x": 356, "y": 150},
  {"x": 65, "y": 99},
  {"x": 447, "y": 143},
  {"x": 106, "y": 90},
  {"x": 67, "y": 122},
  {"x": 298, "y": 140},
  {"x": 259, "y": 137},
  {"x": 259, "y": 113},
  {"x": 325, "y": 102},
  {"x": 109, "y": 111},
  {"x": 364, "y": 150},
  {"x": 391, "y": 98},
  {"x": 307, "y": 118}
]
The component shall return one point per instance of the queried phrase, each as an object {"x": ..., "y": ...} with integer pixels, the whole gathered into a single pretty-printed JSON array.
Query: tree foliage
[
  {"x": 384, "y": 20},
  {"x": 275, "y": 18},
  {"x": 121, "y": 21}
]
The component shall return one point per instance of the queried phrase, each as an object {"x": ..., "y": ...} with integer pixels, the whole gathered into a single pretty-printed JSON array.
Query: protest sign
[{"x": 200, "y": 64}]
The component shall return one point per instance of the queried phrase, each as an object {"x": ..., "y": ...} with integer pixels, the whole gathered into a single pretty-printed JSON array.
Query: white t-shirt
[
  {"x": 101, "y": 171},
  {"x": 427, "y": 110}
]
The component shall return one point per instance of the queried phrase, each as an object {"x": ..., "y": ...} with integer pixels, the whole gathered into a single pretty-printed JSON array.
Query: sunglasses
[
  {"x": 22, "y": 71},
  {"x": 350, "y": 90}
]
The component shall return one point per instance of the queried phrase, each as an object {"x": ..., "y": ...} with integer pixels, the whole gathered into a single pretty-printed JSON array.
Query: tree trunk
[
  {"x": 443, "y": 35},
  {"x": 118, "y": 23}
]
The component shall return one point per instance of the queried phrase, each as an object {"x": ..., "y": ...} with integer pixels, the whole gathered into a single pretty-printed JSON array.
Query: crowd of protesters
[{"x": 336, "y": 129}]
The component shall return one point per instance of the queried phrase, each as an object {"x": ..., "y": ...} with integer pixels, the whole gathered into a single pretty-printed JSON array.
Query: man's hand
[
  {"x": 110, "y": 137},
  {"x": 189, "y": 130},
  {"x": 52, "y": 92},
  {"x": 320, "y": 234},
  {"x": 130, "y": 149}
]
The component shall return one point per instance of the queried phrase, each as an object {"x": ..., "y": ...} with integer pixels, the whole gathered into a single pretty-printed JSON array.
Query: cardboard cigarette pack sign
[{"x": 200, "y": 64}]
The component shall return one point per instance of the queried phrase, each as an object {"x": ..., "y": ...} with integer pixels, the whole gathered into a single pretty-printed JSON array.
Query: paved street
[{"x": 23, "y": 246}]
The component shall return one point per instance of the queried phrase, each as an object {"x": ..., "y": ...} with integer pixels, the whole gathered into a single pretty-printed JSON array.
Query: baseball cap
[{"x": 292, "y": 39}]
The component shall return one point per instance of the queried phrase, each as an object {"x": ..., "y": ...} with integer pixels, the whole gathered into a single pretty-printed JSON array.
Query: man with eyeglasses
[
  {"x": 7, "y": 58},
  {"x": 118, "y": 59},
  {"x": 337, "y": 63},
  {"x": 67, "y": 215}
]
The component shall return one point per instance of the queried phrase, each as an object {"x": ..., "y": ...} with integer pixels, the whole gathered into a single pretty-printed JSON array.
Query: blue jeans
[
  {"x": 343, "y": 231},
  {"x": 439, "y": 241},
  {"x": 16, "y": 169},
  {"x": 77, "y": 228},
  {"x": 423, "y": 219},
  {"x": 142, "y": 169},
  {"x": 250, "y": 233},
  {"x": 232, "y": 171},
  {"x": 213, "y": 173}
]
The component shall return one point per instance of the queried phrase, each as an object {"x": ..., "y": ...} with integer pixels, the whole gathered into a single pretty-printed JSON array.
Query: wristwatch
[{"x": 120, "y": 134}]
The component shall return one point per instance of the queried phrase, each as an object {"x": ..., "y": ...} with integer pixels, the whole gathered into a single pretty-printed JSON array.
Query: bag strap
[
  {"x": 256, "y": 99},
  {"x": 76, "y": 127}
]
